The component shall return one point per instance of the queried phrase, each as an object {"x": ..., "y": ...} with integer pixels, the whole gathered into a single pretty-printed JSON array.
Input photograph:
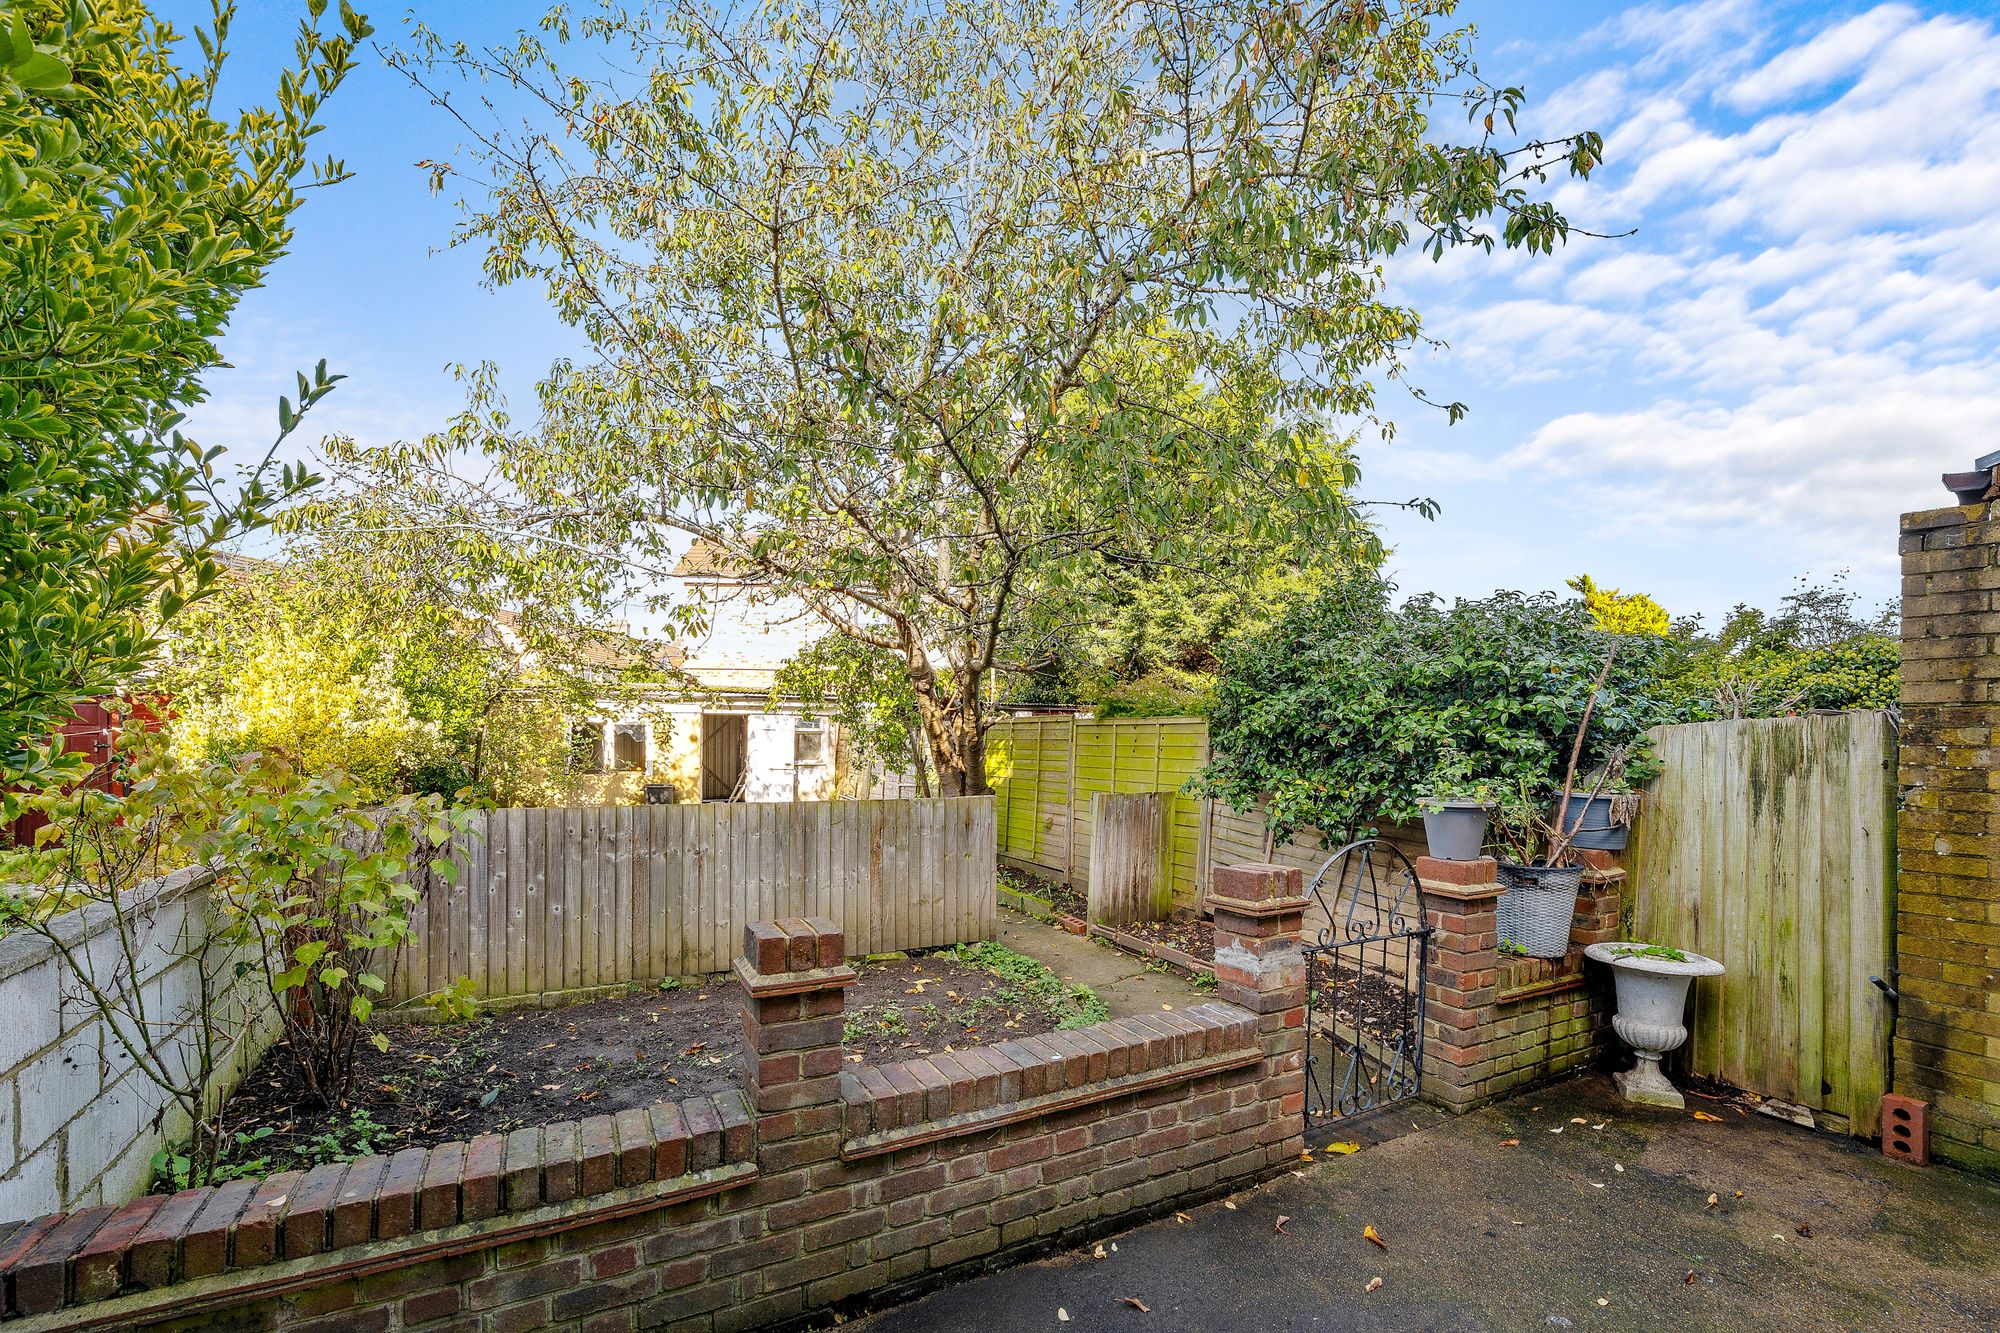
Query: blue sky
[{"x": 1803, "y": 332}]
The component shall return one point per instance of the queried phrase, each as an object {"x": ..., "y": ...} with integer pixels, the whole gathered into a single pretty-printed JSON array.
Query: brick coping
[
  {"x": 982, "y": 1087},
  {"x": 995, "y": 1117}
]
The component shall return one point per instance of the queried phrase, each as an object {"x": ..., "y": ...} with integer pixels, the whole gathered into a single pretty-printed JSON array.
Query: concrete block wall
[
  {"x": 1947, "y": 1042},
  {"x": 78, "y": 1126},
  {"x": 823, "y": 1186}
]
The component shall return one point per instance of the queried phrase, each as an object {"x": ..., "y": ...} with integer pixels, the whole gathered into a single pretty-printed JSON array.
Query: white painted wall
[{"x": 75, "y": 1120}]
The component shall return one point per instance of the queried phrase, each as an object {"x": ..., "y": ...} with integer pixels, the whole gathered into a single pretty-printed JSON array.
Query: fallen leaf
[
  {"x": 1169, "y": 1008},
  {"x": 1098, "y": 1253},
  {"x": 1714, "y": 1199},
  {"x": 1137, "y": 1304},
  {"x": 1373, "y": 1237},
  {"x": 1689, "y": 1280},
  {"x": 1557, "y": 1130},
  {"x": 1229, "y": 1205},
  {"x": 1374, "y": 1284},
  {"x": 1619, "y": 1167},
  {"x": 1182, "y": 1217},
  {"x": 1602, "y": 1301},
  {"x": 1578, "y": 1120},
  {"x": 1062, "y": 1315},
  {"x": 1510, "y": 1143},
  {"x": 1306, "y": 1156},
  {"x": 1343, "y": 1148},
  {"x": 1703, "y": 1115},
  {"x": 1596, "y": 1185},
  {"x": 1600, "y": 1125},
  {"x": 1804, "y": 1229},
  {"x": 1278, "y": 1227},
  {"x": 1739, "y": 1194}
]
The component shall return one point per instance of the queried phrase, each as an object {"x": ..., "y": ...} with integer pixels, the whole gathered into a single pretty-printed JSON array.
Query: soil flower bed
[{"x": 436, "y": 1084}]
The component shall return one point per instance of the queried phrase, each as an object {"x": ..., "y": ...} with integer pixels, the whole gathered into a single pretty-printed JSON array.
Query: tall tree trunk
[{"x": 956, "y": 732}]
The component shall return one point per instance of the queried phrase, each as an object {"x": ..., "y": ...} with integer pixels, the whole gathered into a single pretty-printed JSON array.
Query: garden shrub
[{"x": 1342, "y": 712}]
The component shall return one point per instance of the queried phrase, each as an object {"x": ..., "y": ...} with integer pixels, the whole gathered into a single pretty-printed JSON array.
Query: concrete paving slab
[{"x": 1808, "y": 1231}]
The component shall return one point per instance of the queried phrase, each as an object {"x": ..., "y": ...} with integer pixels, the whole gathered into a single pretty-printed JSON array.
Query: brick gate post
[
  {"x": 1259, "y": 917},
  {"x": 1461, "y": 1036},
  {"x": 793, "y": 973}
]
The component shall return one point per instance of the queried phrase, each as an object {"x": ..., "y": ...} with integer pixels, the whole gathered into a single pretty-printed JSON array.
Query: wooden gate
[{"x": 1769, "y": 845}]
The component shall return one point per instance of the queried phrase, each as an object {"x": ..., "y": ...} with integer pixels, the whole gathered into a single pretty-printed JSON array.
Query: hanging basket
[{"x": 1537, "y": 904}]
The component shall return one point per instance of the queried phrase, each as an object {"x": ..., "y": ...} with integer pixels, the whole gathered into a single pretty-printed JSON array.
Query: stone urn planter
[
  {"x": 1652, "y": 983},
  {"x": 1456, "y": 829}
]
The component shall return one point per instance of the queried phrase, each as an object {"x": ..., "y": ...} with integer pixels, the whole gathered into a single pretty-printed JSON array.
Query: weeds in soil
[
  {"x": 174, "y": 1166},
  {"x": 358, "y": 1137},
  {"x": 1071, "y": 1006},
  {"x": 1202, "y": 981}
]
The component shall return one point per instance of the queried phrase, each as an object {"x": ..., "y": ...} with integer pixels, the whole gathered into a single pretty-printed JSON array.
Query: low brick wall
[
  {"x": 825, "y": 1184},
  {"x": 1495, "y": 1023},
  {"x": 77, "y": 1126}
]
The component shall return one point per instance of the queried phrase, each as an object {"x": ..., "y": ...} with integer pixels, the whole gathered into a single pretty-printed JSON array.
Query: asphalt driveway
[{"x": 1600, "y": 1217}]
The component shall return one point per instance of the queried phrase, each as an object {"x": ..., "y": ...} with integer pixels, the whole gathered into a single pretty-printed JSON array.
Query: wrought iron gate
[{"x": 1365, "y": 950}]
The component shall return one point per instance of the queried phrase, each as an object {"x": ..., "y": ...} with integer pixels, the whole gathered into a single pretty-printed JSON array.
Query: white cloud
[{"x": 1805, "y": 330}]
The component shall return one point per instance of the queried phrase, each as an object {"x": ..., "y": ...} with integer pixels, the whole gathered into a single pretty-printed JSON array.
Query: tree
[
  {"x": 870, "y": 699},
  {"x": 132, "y": 218},
  {"x": 913, "y": 312},
  {"x": 1814, "y": 651},
  {"x": 1137, "y": 639}
]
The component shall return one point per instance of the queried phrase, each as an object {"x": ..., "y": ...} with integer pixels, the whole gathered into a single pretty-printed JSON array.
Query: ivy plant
[{"x": 1350, "y": 711}]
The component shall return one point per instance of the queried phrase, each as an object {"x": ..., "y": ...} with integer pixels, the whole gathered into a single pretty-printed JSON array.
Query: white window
[{"x": 809, "y": 742}]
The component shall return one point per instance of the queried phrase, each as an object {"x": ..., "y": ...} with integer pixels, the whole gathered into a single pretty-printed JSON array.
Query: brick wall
[
  {"x": 827, "y": 1183},
  {"x": 1493, "y": 1023},
  {"x": 77, "y": 1125},
  {"x": 1947, "y": 1044}
]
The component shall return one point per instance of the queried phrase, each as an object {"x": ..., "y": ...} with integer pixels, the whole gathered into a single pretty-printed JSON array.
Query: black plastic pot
[
  {"x": 1590, "y": 817},
  {"x": 1456, "y": 830}
]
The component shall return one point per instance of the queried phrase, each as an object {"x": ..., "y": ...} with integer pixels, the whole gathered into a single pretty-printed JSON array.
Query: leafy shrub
[
  {"x": 323, "y": 895},
  {"x": 1347, "y": 709}
]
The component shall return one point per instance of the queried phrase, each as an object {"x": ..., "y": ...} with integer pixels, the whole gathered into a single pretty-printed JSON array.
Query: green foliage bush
[{"x": 1342, "y": 712}]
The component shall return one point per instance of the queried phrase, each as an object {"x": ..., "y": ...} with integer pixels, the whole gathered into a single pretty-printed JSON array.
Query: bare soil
[
  {"x": 1062, "y": 897},
  {"x": 436, "y": 1084},
  {"x": 1191, "y": 935}
]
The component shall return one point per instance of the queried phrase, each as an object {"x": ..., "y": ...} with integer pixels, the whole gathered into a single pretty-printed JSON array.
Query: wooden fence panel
[
  {"x": 1131, "y": 857},
  {"x": 552, "y": 900},
  {"x": 1769, "y": 845},
  {"x": 1046, "y": 770}
]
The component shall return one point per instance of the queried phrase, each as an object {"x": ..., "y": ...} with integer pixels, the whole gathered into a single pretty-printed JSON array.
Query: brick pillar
[
  {"x": 1600, "y": 902},
  {"x": 793, "y": 973},
  {"x": 1259, "y": 916},
  {"x": 1461, "y": 900},
  {"x": 1948, "y": 832}
]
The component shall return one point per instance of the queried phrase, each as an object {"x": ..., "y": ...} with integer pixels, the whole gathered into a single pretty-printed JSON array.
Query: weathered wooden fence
[
  {"x": 552, "y": 900},
  {"x": 1046, "y": 770},
  {"x": 1769, "y": 845},
  {"x": 1129, "y": 871}
]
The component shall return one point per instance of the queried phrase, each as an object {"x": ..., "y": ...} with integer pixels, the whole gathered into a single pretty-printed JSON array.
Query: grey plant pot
[
  {"x": 1652, "y": 1000},
  {"x": 1456, "y": 830},
  {"x": 1590, "y": 816}
]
